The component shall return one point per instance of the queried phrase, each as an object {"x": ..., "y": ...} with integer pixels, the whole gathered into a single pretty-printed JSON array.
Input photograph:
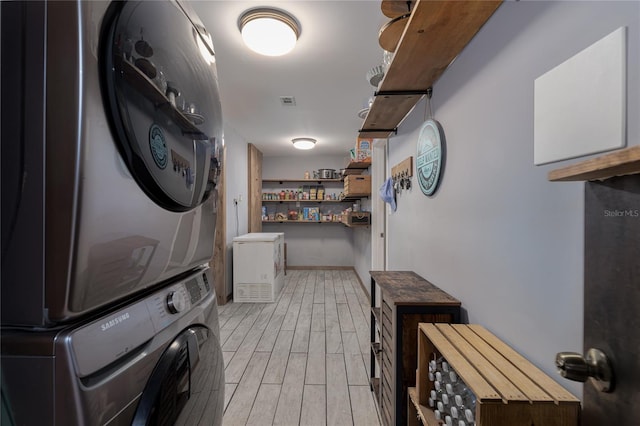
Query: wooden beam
[
  {"x": 255, "y": 188},
  {"x": 219, "y": 261}
]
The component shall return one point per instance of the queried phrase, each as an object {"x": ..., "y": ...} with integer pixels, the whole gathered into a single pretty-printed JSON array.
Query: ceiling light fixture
[
  {"x": 303, "y": 143},
  {"x": 269, "y": 32}
]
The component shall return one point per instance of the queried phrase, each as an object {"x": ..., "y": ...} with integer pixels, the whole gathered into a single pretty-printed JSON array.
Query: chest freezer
[{"x": 258, "y": 267}]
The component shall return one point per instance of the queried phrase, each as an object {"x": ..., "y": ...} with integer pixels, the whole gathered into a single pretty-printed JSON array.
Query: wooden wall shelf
[
  {"x": 436, "y": 33},
  {"x": 305, "y": 201},
  {"x": 618, "y": 163},
  {"x": 302, "y": 221},
  {"x": 318, "y": 181}
]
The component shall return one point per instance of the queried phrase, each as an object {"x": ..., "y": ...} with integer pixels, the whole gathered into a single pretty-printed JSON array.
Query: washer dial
[{"x": 176, "y": 301}]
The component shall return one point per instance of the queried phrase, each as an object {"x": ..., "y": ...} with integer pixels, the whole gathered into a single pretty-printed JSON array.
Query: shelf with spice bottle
[{"x": 305, "y": 192}]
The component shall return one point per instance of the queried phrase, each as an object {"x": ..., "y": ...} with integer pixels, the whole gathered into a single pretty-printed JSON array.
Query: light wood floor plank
[
  {"x": 332, "y": 327},
  {"x": 360, "y": 322},
  {"x": 224, "y": 335},
  {"x": 316, "y": 371},
  {"x": 291, "y": 317},
  {"x": 235, "y": 339},
  {"x": 235, "y": 369},
  {"x": 265, "y": 316},
  {"x": 299, "y": 289},
  {"x": 229, "y": 389},
  {"x": 344, "y": 315},
  {"x": 338, "y": 403},
  {"x": 290, "y": 401},
  {"x": 279, "y": 358},
  {"x": 329, "y": 290},
  {"x": 346, "y": 281},
  {"x": 273, "y": 328},
  {"x": 310, "y": 286},
  {"x": 318, "y": 296},
  {"x": 237, "y": 412},
  {"x": 237, "y": 316},
  {"x": 294, "y": 286},
  {"x": 339, "y": 287},
  {"x": 362, "y": 406},
  {"x": 317, "y": 317},
  {"x": 303, "y": 328},
  {"x": 264, "y": 408},
  {"x": 356, "y": 371},
  {"x": 228, "y": 311},
  {"x": 227, "y": 357},
  {"x": 314, "y": 406}
]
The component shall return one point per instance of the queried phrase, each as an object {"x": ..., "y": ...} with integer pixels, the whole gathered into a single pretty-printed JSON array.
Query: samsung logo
[{"x": 115, "y": 321}]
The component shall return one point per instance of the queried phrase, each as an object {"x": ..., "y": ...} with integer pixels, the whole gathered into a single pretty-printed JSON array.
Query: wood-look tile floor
[{"x": 303, "y": 360}]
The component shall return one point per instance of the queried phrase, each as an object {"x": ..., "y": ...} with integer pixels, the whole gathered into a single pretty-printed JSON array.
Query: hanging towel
[{"x": 388, "y": 194}]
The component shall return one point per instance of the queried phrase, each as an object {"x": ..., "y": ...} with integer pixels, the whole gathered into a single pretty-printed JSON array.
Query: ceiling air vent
[{"x": 287, "y": 100}]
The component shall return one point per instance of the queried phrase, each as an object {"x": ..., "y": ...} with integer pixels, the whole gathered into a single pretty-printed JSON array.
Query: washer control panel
[
  {"x": 103, "y": 341},
  {"x": 168, "y": 305}
]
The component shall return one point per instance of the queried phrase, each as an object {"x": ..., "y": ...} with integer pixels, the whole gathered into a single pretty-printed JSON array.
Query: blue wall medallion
[
  {"x": 158, "y": 146},
  {"x": 429, "y": 161}
]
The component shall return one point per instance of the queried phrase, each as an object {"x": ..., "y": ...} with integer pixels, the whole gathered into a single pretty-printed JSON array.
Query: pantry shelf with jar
[{"x": 288, "y": 201}]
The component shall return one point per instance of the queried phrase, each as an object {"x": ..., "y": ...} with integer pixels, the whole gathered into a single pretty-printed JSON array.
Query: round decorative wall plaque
[
  {"x": 158, "y": 146},
  {"x": 429, "y": 160}
]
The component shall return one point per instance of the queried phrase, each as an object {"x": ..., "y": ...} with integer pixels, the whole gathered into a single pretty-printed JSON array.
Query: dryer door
[
  {"x": 187, "y": 385},
  {"x": 160, "y": 85}
]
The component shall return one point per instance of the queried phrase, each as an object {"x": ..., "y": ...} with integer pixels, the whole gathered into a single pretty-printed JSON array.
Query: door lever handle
[{"x": 594, "y": 365}]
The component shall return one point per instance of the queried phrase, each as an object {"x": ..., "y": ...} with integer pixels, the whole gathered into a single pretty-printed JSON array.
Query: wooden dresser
[{"x": 406, "y": 300}]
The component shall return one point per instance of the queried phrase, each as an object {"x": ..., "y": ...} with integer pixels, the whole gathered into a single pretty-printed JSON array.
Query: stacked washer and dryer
[{"x": 111, "y": 151}]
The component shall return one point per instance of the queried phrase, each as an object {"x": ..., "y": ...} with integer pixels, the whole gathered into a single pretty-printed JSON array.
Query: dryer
[
  {"x": 111, "y": 150},
  {"x": 154, "y": 361}
]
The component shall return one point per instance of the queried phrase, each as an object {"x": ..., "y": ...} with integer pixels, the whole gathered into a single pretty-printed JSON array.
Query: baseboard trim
[
  {"x": 366, "y": 291},
  {"x": 314, "y": 268}
]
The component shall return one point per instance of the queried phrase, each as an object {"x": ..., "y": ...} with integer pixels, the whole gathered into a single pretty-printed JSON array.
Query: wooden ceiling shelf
[
  {"x": 436, "y": 33},
  {"x": 618, "y": 163}
]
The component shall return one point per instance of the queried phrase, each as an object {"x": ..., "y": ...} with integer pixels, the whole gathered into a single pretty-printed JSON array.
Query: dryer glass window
[{"x": 160, "y": 81}]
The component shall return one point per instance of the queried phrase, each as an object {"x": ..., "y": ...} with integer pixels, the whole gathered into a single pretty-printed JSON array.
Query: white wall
[
  {"x": 275, "y": 167},
  {"x": 236, "y": 180},
  {"x": 498, "y": 235},
  {"x": 323, "y": 244}
]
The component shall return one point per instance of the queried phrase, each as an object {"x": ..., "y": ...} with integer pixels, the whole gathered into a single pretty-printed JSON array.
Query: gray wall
[
  {"x": 362, "y": 254},
  {"x": 236, "y": 180},
  {"x": 310, "y": 244},
  {"x": 498, "y": 235}
]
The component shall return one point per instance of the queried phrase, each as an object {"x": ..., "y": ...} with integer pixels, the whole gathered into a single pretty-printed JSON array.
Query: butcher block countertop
[{"x": 409, "y": 288}]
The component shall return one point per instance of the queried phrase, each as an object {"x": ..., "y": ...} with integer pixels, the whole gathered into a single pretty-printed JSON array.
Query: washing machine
[
  {"x": 111, "y": 151},
  {"x": 156, "y": 361}
]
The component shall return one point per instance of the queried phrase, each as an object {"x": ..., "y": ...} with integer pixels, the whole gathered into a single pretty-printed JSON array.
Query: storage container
[
  {"x": 508, "y": 389},
  {"x": 357, "y": 186},
  {"x": 357, "y": 218},
  {"x": 363, "y": 150}
]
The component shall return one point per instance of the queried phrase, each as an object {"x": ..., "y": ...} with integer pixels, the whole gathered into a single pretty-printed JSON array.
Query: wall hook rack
[{"x": 402, "y": 173}]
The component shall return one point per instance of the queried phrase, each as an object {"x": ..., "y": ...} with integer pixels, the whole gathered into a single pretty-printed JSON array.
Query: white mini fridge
[{"x": 258, "y": 267}]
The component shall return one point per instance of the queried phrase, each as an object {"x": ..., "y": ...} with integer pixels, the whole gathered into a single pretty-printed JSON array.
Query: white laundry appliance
[{"x": 258, "y": 267}]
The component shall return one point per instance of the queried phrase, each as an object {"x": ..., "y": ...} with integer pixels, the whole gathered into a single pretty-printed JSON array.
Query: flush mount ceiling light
[
  {"x": 269, "y": 32},
  {"x": 303, "y": 143}
]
